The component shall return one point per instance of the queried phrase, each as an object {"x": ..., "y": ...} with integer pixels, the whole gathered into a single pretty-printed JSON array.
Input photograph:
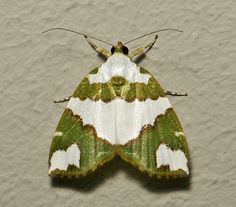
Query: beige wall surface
[{"x": 35, "y": 68}]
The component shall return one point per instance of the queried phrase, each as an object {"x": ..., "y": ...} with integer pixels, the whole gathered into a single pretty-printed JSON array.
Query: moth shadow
[
  {"x": 102, "y": 57},
  {"x": 110, "y": 169},
  {"x": 153, "y": 184},
  {"x": 92, "y": 180},
  {"x": 140, "y": 57}
]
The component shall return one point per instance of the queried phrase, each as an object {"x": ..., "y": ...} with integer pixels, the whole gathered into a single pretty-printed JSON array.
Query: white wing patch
[
  {"x": 118, "y": 64},
  {"x": 61, "y": 159},
  {"x": 118, "y": 121},
  {"x": 178, "y": 134},
  {"x": 174, "y": 159},
  {"x": 58, "y": 134}
]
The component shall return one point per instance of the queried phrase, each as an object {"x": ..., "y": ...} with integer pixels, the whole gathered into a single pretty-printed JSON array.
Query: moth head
[{"x": 120, "y": 48}]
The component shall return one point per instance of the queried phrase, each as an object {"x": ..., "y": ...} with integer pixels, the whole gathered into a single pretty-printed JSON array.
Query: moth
[{"x": 119, "y": 109}]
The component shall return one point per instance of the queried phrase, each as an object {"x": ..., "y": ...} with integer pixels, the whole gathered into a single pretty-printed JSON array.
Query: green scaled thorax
[{"x": 118, "y": 86}]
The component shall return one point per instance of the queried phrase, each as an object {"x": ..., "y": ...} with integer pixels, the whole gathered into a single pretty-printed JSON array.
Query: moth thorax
[{"x": 118, "y": 82}]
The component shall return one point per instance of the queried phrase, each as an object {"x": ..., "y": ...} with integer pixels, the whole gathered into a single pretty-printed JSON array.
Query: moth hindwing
[{"x": 119, "y": 109}]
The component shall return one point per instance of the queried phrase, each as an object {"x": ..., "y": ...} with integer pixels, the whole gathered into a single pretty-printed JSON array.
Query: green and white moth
[{"x": 119, "y": 109}]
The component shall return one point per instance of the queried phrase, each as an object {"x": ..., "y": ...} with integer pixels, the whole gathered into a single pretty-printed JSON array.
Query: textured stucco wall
[{"x": 36, "y": 67}]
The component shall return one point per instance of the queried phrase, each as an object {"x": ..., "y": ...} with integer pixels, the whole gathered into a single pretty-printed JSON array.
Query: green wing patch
[
  {"x": 141, "y": 152},
  {"x": 94, "y": 151}
]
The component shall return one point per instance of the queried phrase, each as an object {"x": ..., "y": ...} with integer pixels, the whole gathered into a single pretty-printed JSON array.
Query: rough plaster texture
[{"x": 36, "y": 67}]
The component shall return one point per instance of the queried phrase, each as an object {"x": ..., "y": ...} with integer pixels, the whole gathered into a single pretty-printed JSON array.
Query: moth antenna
[
  {"x": 80, "y": 33},
  {"x": 161, "y": 30}
]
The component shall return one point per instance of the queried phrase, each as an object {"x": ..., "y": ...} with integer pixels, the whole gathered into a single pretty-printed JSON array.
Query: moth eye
[
  {"x": 125, "y": 50},
  {"x": 112, "y": 50}
]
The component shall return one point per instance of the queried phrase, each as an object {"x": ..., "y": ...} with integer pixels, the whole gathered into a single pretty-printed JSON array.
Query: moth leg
[
  {"x": 62, "y": 100},
  {"x": 142, "y": 49},
  {"x": 99, "y": 50},
  {"x": 175, "y": 93}
]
